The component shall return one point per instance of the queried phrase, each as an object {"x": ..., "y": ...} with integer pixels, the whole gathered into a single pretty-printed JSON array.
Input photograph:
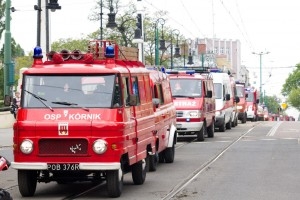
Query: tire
[
  {"x": 139, "y": 171},
  {"x": 222, "y": 128},
  {"x": 228, "y": 125},
  {"x": 153, "y": 160},
  {"x": 114, "y": 180},
  {"x": 4, "y": 195},
  {"x": 236, "y": 121},
  {"x": 244, "y": 120},
  {"x": 161, "y": 157},
  {"x": 211, "y": 130},
  {"x": 169, "y": 154},
  {"x": 202, "y": 132},
  {"x": 27, "y": 181}
]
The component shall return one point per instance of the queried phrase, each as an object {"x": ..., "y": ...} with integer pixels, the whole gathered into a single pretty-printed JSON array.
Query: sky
[{"x": 260, "y": 26}]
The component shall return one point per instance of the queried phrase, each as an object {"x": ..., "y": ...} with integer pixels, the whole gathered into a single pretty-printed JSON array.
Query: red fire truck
[
  {"x": 92, "y": 117},
  {"x": 194, "y": 99},
  {"x": 242, "y": 104},
  {"x": 252, "y": 103}
]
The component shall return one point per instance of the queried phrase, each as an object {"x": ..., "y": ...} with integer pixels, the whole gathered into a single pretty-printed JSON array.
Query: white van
[{"x": 224, "y": 100}]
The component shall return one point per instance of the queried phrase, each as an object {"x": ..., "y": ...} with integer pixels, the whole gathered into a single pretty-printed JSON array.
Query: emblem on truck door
[{"x": 63, "y": 128}]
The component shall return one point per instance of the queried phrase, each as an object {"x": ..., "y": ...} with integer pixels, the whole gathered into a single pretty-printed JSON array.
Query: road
[{"x": 256, "y": 160}]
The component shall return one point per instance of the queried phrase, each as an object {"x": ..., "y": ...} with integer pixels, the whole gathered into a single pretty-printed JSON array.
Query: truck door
[{"x": 129, "y": 119}]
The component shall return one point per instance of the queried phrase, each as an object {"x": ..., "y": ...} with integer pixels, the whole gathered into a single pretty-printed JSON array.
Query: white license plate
[
  {"x": 178, "y": 125},
  {"x": 63, "y": 167}
]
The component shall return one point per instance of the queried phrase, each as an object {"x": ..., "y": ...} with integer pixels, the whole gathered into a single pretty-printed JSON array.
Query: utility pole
[
  {"x": 8, "y": 65},
  {"x": 260, "y": 74}
]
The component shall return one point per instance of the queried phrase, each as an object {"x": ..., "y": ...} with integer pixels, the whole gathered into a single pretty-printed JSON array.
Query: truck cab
[
  {"x": 193, "y": 96},
  {"x": 252, "y": 100},
  {"x": 224, "y": 100},
  {"x": 242, "y": 104},
  {"x": 91, "y": 117}
]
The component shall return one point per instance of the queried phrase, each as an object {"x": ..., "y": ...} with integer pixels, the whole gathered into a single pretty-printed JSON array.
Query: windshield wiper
[
  {"x": 69, "y": 104},
  {"x": 41, "y": 99}
]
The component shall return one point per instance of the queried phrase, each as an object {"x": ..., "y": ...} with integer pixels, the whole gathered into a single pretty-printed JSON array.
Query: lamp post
[
  {"x": 162, "y": 22},
  {"x": 176, "y": 51},
  {"x": 260, "y": 73}
]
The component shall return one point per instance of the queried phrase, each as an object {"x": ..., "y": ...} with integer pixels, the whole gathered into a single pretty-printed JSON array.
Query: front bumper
[{"x": 82, "y": 166}]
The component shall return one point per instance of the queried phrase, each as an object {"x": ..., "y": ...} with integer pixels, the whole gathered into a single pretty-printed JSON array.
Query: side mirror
[
  {"x": 257, "y": 100},
  {"x": 132, "y": 100},
  {"x": 227, "y": 97},
  {"x": 209, "y": 94},
  {"x": 237, "y": 99},
  {"x": 156, "y": 102}
]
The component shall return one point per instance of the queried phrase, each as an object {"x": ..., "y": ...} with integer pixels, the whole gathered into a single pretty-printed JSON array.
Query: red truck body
[{"x": 92, "y": 117}]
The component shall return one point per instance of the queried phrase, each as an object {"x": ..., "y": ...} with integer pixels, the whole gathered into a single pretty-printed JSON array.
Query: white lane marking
[{"x": 274, "y": 129}]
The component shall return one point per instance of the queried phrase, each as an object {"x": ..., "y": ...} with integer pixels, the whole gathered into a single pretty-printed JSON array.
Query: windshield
[
  {"x": 186, "y": 87},
  {"x": 240, "y": 91},
  {"x": 70, "y": 91},
  {"x": 218, "y": 90},
  {"x": 250, "y": 97}
]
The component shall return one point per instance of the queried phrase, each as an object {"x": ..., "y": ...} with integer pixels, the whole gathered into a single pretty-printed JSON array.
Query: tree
[
  {"x": 2, "y": 17},
  {"x": 272, "y": 103},
  {"x": 291, "y": 88}
]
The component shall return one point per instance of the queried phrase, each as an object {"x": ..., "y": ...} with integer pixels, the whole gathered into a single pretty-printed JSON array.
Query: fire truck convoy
[
  {"x": 92, "y": 117},
  {"x": 194, "y": 101}
]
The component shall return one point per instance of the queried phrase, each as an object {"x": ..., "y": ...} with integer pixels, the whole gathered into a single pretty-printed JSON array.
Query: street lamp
[
  {"x": 162, "y": 41},
  {"x": 260, "y": 72},
  {"x": 111, "y": 17},
  {"x": 176, "y": 50}
]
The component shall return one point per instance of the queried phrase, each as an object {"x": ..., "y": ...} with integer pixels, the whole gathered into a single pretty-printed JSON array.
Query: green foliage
[
  {"x": 2, "y": 17},
  {"x": 291, "y": 88},
  {"x": 272, "y": 103},
  {"x": 70, "y": 44},
  {"x": 293, "y": 98}
]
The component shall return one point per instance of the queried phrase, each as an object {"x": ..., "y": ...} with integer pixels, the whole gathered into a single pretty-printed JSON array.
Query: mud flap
[{"x": 172, "y": 136}]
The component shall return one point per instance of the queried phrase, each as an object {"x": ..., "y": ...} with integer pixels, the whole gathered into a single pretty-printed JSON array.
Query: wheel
[
  {"x": 161, "y": 157},
  {"x": 236, "y": 121},
  {"x": 153, "y": 160},
  {"x": 27, "y": 180},
  {"x": 169, "y": 154},
  {"x": 139, "y": 171},
  {"x": 211, "y": 130},
  {"x": 228, "y": 124},
  {"x": 5, "y": 195},
  {"x": 114, "y": 180},
  {"x": 222, "y": 128},
  {"x": 244, "y": 120},
  {"x": 202, "y": 132}
]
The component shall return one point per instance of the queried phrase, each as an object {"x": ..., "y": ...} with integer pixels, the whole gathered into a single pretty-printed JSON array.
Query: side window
[
  {"x": 125, "y": 81},
  {"x": 117, "y": 94},
  {"x": 158, "y": 93},
  {"x": 224, "y": 92},
  {"x": 135, "y": 88}
]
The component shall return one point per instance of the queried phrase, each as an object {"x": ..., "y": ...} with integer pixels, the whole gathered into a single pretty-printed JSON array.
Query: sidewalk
[
  {"x": 6, "y": 137},
  {"x": 6, "y": 120}
]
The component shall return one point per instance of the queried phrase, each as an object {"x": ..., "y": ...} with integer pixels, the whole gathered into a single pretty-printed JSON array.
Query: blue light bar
[
  {"x": 215, "y": 70},
  {"x": 37, "y": 52},
  {"x": 190, "y": 72},
  {"x": 109, "y": 52}
]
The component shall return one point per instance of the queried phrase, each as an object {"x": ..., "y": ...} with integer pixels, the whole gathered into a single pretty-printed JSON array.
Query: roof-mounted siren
[
  {"x": 37, "y": 53},
  {"x": 65, "y": 54},
  {"x": 76, "y": 54},
  {"x": 110, "y": 52},
  {"x": 50, "y": 55}
]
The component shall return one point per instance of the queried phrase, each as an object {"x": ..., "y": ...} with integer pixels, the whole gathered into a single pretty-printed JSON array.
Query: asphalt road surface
[{"x": 253, "y": 161}]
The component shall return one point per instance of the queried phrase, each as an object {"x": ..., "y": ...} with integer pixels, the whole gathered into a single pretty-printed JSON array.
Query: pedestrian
[{"x": 15, "y": 104}]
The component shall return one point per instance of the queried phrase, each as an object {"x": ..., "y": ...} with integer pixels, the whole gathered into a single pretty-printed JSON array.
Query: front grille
[
  {"x": 179, "y": 114},
  {"x": 63, "y": 147}
]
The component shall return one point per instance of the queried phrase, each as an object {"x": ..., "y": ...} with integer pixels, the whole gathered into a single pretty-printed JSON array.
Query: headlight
[
  {"x": 239, "y": 107},
  {"x": 26, "y": 146},
  {"x": 195, "y": 113},
  {"x": 100, "y": 146}
]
